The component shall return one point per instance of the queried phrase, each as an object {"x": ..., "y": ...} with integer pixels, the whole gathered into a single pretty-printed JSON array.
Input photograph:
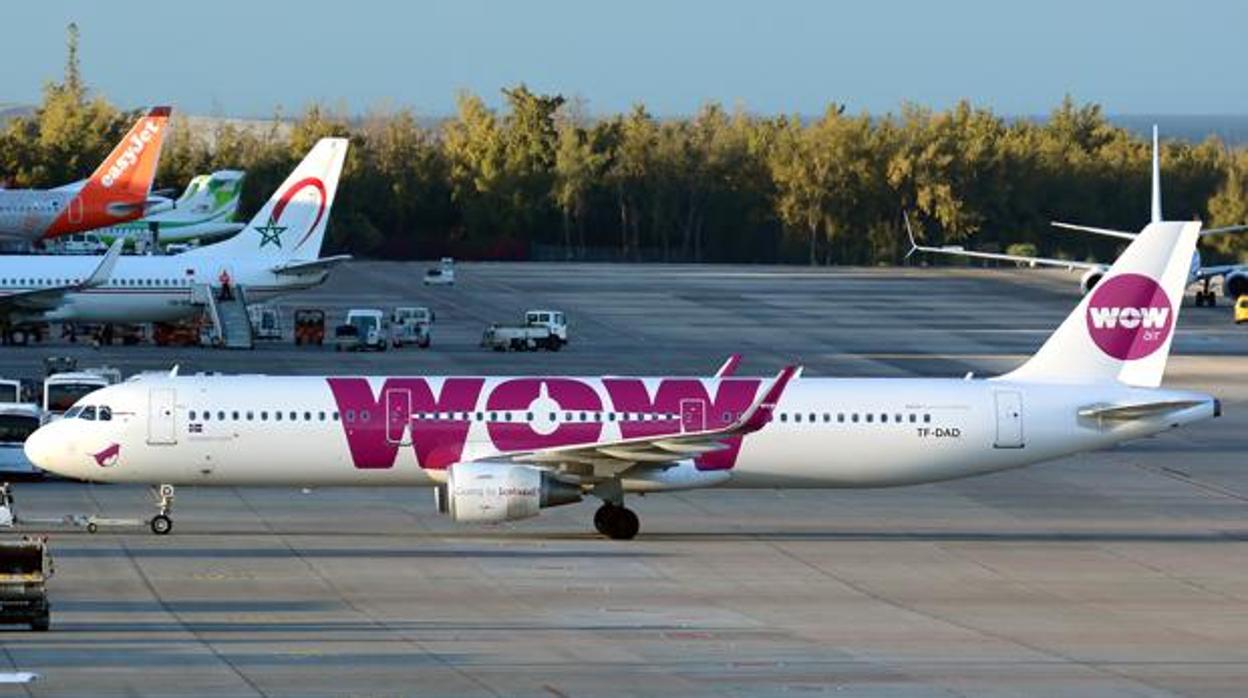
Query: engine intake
[{"x": 484, "y": 492}]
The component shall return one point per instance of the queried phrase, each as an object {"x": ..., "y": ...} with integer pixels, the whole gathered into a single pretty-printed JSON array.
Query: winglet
[
  {"x": 914, "y": 244},
  {"x": 104, "y": 271},
  {"x": 1156, "y": 178},
  {"x": 762, "y": 411},
  {"x": 729, "y": 367}
]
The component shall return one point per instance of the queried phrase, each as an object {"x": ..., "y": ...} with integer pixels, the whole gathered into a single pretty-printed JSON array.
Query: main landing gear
[
  {"x": 1206, "y": 297},
  {"x": 616, "y": 521},
  {"x": 161, "y": 524}
]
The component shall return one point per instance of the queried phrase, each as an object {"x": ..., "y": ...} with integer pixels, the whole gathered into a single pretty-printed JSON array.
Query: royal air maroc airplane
[
  {"x": 205, "y": 211},
  {"x": 276, "y": 253},
  {"x": 119, "y": 190},
  {"x": 501, "y": 449},
  {"x": 1234, "y": 276}
]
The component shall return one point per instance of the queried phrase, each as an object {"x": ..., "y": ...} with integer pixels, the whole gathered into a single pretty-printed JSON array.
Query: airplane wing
[
  {"x": 612, "y": 458},
  {"x": 312, "y": 265},
  {"x": 49, "y": 297},
  {"x": 958, "y": 251},
  {"x": 1121, "y": 234},
  {"x": 1214, "y": 272}
]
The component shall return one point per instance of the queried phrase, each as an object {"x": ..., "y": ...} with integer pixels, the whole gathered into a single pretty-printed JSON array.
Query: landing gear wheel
[
  {"x": 161, "y": 524},
  {"x": 616, "y": 522},
  {"x": 93, "y": 527}
]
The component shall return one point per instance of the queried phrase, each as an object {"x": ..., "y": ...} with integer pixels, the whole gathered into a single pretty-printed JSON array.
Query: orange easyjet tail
[{"x": 118, "y": 189}]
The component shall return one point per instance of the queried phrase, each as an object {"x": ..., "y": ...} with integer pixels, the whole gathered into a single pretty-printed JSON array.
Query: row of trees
[{"x": 541, "y": 179}]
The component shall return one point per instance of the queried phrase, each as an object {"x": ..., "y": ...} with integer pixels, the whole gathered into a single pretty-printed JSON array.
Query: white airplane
[
  {"x": 1234, "y": 276},
  {"x": 119, "y": 190},
  {"x": 204, "y": 211},
  {"x": 276, "y": 253},
  {"x": 501, "y": 449}
]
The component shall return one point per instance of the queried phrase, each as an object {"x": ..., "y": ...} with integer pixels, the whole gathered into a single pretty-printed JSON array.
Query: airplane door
[
  {"x": 398, "y": 416},
  {"x": 1009, "y": 406},
  {"x": 693, "y": 415},
  {"x": 162, "y": 428}
]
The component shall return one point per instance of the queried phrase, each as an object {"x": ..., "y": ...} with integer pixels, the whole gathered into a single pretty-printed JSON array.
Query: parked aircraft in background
[
  {"x": 204, "y": 211},
  {"x": 1234, "y": 276},
  {"x": 276, "y": 253},
  {"x": 119, "y": 190},
  {"x": 501, "y": 449}
]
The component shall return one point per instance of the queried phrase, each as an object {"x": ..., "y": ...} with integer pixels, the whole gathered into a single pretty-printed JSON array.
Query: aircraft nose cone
[{"x": 44, "y": 448}]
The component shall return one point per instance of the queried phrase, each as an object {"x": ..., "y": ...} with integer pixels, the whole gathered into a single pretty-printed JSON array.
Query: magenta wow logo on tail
[{"x": 1129, "y": 316}]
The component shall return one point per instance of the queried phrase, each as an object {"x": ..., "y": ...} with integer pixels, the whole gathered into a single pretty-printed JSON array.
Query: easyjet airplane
[
  {"x": 500, "y": 449},
  {"x": 119, "y": 190},
  {"x": 276, "y": 253}
]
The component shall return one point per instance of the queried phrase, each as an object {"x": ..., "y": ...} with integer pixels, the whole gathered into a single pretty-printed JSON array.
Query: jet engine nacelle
[
  {"x": 487, "y": 492},
  {"x": 1090, "y": 279},
  {"x": 1235, "y": 284}
]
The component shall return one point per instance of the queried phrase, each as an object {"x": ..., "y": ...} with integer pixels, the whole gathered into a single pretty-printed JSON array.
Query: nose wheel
[
  {"x": 616, "y": 521},
  {"x": 161, "y": 524}
]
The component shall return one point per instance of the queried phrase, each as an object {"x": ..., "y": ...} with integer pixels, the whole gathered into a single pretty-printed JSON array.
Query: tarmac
[{"x": 1120, "y": 573}]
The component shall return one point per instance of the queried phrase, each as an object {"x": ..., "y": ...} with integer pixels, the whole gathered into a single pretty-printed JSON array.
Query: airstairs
[{"x": 231, "y": 324}]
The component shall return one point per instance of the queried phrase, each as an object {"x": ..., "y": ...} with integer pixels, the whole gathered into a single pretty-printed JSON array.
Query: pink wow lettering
[{"x": 528, "y": 414}]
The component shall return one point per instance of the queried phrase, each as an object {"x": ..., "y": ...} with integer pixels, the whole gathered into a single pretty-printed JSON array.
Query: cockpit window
[
  {"x": 104, "y": 414},
  {"x": 88, "y": 413},
  {"x": 73, "y": 412}
]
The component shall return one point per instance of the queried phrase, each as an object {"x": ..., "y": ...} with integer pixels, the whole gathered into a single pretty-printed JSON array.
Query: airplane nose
[{"x": 44, "y": 447}]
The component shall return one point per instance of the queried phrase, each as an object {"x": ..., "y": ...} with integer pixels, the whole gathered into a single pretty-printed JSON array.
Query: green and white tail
[{"x": 291, "y": 225}]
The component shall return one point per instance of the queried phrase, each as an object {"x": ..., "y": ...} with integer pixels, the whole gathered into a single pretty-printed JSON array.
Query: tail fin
[
  {"x": 291, "y": 225},
  {"x": 1122, "y": 330},
  {"x": 118, "y": 189},
  {"x": 127, "y": 173},
  {"x": 213, "y": 195},
  {"x": 1156, "y": 179}
]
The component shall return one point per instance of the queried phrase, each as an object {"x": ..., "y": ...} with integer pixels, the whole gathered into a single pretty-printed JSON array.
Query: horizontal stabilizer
[
  {"x": 1138, "y": 411},
  {"x": 310, "y": 265},
  {"x": 1108, "y": 232}
]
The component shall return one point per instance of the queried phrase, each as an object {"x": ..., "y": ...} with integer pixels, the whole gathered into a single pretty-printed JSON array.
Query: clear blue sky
[{"x": 244, "y": 58}]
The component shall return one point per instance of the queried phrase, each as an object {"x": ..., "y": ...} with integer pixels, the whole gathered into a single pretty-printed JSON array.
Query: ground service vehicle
[
  {"x": 542, "y": 329},
  {"x": 18, "y": 420},
  {"x": 411, "y": 325},
  {"x": 25, "y": 567},
  {"x": 364, "y": 329},
  {"x": 266, "y": 322},
  {"x": 309, "y": 326},
  {"x": 441, "y": 275},
  {"x": 62, "y": 390},
  {"x": 1241, "y": 310}
]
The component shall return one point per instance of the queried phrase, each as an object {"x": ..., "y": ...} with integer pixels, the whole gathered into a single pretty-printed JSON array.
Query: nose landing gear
[{"x": 161, "y": 524}]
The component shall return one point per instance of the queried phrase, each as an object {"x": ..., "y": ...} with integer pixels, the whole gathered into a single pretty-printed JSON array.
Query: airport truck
[
  {"x": 25, "y": 567},
  {"x": 542, "y": 329},
  {"x": 364, "y": 330},
  {"x": 411, "y": 325}
]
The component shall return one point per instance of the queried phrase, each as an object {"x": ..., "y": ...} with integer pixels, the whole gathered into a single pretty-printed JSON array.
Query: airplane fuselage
[
  {"x": 407, "y": 431},
  {"x": 141, "y": 288}
]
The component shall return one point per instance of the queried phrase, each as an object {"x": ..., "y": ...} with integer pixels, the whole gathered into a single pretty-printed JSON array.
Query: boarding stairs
[{"x": 230, "y": 321}]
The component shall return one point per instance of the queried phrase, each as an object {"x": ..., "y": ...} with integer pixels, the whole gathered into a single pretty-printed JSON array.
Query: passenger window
[
  {"x": 320, "y": 416},
  {"x": 840, "y": 417},
  {"x": 883, "y": 418},
  {"x": 189, "y": 415},
  {"x": 854, "y": 418},
  {"x": 294, "y": 416},
  {"x": 277, "y": 415},
  {"x": 870, "y": 418},
  {"x": 221, "y": 416},
  {"x": 264, "y": 415},
  {"x": 234, "y": 415},
  {"x": 334, "y": 415},
  {"x": 784, "y": 417},
  {"x": 927, "y": 419},
  {"x": 207, "y": 416},
  {"x": 307, "y": 416},
  {"x": 812, "y": 417},
  {"x": 914, "y": 418}
]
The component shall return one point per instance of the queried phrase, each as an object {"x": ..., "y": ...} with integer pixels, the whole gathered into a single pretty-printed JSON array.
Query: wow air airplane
[
  {"x": 276, "y": 253},
  {"x": 204, "y": 211},
  {"x": 119, "y": 190},
  {"x": 1234, "y": 276},
  {"x": 501, "y": 449}
]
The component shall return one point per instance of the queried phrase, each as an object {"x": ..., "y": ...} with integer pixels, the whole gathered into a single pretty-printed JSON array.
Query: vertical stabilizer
[
  {"x": 1122, "y": 330},
  {"x": 1156, "y": 218}
]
